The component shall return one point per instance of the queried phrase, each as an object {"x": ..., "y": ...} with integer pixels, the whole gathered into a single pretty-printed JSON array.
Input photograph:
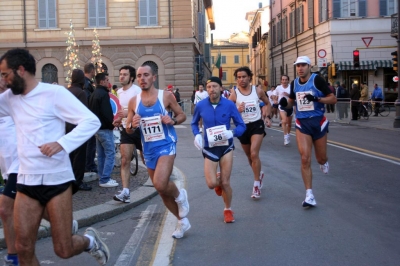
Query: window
[
  {"x": 349, "y": 8},
  {"x": 278, "y": 32},
  {"x": 223, "y": 75},
  {"x": 223, "y": 59},
  {"x": 291, "y": 24},
  {"x": 310, "y": 14},
  {"x": 300, "y": 19},
  {"x": 236, "y": 58},
  {"x": 49, "y": 74},
  {"x": 148, "y": 13},
  {"x": 284, "y": 28},
  {"x": 322, "y": 10},
  {"x": 274, "y": 42},
  {"x": 47, "y": 14},
  {"x": 387, "y": 7},
  {"x": 97, "y": 13}
]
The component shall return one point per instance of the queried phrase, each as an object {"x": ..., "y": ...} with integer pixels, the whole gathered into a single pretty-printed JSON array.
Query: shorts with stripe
[
  {"x": 252, "y": 128},
  {"x": 10, "y": 189},
  {"x": 289, "y": 111},
  {"x": 43, "y": 193},
  {"x": 316, "y": 126},
  {"x": 151, "y": 159},
  {"x": 216, "y": 153}
]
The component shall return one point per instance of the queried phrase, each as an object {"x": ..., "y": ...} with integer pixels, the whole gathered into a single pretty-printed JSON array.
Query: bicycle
[
  {"x": 384, "y": 109},
  {"x": 134, "y": 165},
  {"x": 365, "y": 110}
]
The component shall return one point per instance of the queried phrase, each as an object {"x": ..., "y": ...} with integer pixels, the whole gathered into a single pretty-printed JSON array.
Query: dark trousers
[
  {"x": 330, "y": 108},
  {"x": 77, "y": 158},
  {"x": 354, "y": 112},
  {"x": 90, "y": 154},
  {"x": 377, "y": 105}
]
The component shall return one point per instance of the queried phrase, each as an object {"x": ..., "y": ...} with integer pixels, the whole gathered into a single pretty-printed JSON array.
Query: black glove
[
  {"x": 283, "y": 102},
  {"x": 311, "y": 98}
]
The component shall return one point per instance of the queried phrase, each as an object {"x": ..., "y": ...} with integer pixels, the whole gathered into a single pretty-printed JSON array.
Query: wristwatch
[{"x": 175, "y": 121}]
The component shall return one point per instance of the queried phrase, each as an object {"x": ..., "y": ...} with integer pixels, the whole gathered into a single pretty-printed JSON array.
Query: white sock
[
  {"x": 309, "y": 192},
  {"x": 91, "y": 243},
  {"x": 257, "y": 183},
  {"x": 180, "y": 197},
  {"x": 227, "y": 209},
  {"x": 125, "y": 191}
]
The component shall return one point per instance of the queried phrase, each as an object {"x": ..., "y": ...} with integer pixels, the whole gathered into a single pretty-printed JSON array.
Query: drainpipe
[
  {"x": 270, "y": 49},
  {"x": 295, "y": 35},
  {"x": 25, "y": 34},
  {"x": 283, "y": 61},
  {"x": 169, "y": 19},
  {"x": 315, "y": 40}
]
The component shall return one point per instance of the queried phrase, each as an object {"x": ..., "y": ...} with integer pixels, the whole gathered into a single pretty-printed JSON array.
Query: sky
[{"x": 230, "y": 16}]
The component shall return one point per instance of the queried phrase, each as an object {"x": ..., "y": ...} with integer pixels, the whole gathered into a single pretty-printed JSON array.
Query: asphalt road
[{"x": 356, "y": 221}]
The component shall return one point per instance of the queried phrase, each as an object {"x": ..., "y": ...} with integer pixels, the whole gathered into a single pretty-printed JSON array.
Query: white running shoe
[
  {"x": 309, "y": 201},
  {"x": 100, "y": 250},
  {"x": 286, "y": 140},
  {"x": 182, "y": 226},
  {"x": 256, "y": 193},
  {"x": 110, "y": 183},
  {"x": 75, "y": 227},
  {"x": 201, "y": 130},
  {"x": 324, "y": 168},
  {"x": 261, "y": 179},
  {"x": 183, "y": 205},
  {"x": 122, "y": 197}
]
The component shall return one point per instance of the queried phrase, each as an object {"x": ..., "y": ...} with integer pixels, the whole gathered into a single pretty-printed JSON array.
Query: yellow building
[
  {"x": 170, "y": 34},
  {"x": 234, "y": 54}
]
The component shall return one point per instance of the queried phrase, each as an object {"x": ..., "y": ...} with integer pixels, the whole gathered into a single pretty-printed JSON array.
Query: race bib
[
  {"x": 250, "y": 109},
  {"x": 152, "y": 128},
  {"x": 214, "y": 136},
  {"x": 302, "y": 103}
]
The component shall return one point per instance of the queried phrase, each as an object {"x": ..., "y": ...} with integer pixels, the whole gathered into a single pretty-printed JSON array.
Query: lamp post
[{"x": 396, "y": 123}]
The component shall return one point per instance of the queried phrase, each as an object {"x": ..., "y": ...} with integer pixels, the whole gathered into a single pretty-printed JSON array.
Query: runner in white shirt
[
  {"x": 281, "y": 91},
  {"x": 45, "y": 175},
  {"x": 201, "y": 94},
  {"x": 128, "y": 142}
]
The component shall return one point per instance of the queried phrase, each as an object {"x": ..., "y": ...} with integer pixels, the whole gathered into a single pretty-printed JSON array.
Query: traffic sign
[
  {"x": 367, "y": 40},
  {"x": 115, "y": 106},
  {"x": 395, "y": 78},
  {"x": 322, "y": 62},
  {"x": 321, "y": 53}
]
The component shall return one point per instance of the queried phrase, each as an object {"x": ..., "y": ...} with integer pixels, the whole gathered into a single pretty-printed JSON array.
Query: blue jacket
[
  {"x": 220, "y": 115},
  {"x": 377, "y": 94}
]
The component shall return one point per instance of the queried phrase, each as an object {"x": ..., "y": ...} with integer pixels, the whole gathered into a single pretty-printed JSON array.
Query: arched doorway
[{"x": 49, "y": 74}]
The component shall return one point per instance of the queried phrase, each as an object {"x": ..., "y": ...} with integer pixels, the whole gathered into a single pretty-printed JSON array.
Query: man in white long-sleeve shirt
[{"x": 45, "y": 174}]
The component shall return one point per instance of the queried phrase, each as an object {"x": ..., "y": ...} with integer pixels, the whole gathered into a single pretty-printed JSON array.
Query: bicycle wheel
[
  {"x": 134, "y": 162},
  {"x": 369, "y": 109},
  {"x": 384, "y": 110}
]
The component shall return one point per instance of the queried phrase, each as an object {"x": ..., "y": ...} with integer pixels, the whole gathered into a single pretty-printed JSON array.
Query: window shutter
[
  {"x": 291, "y": 24},
  {"x": 52, "y": 13},
  {"x": 383, "y": 8},
  {"x": 42, "y": 13},
  {"x": 320, "y": 11},
  {"x": 200, "y": 17},
  {"x": 279, "y": 32},
  {"x": 143, "y": 12},
  {"x": 301, "y": 18},
  {"x": 274, "y": 35},
  {"x": 362, "y": 8},
  {"x": 310, "y": 14},
  {"x": 153, "y": 13},
  {"x": 92, "y": 13},
  {"x": 102, "y": 16},
  {"x": 336, "y": 8},
  {"x": 297, "y": 21}
]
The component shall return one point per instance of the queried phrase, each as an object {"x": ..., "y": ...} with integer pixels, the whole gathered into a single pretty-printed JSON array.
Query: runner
[
  {"x": 247, "y": 99},
  {"x": 147, "y": 113},
  {"x": 283, "y": 90},
  {"x": 201, "y": 94},
  {"x": 45, "y": 174},
  {"x": 128, "y": 142},
  {"x": 217, "y": 113},
  {"x": 311, "y": 93}
]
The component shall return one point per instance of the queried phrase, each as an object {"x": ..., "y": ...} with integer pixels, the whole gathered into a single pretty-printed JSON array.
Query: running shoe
[
  {"x": 201, "y": 129},
  {"x": 256, "y": 192},
  {"x": 261, "y": 179},
  {"x": 218, "y": 189},
  {"x": 110, "y": 183},
  {"x": 183, "y": 205},
  {"x": 309, "y": 201},
  {"x": 182, "y": 226},
  {"x": 324, "y": 168},
  {"x": 228, "y": 216},
  {"x": 100, "y": 250},
  {"x": 75, "y": 227},
  {"x": 9, "y": 262},
  {"x": 122, "y": 197}
]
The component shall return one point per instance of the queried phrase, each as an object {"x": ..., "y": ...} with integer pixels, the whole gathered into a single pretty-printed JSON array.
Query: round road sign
[
  {"x": 321, "y": 53},
  {"x": 395, "y": 78}
]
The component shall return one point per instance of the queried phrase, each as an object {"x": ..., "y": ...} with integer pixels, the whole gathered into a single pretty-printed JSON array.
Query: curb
[{"x": 101, "y": 212}]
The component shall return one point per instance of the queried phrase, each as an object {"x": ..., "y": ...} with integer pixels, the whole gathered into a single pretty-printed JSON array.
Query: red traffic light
[
  {"x": 356, "y": 53},
  {"x": 356, "y": 58}
]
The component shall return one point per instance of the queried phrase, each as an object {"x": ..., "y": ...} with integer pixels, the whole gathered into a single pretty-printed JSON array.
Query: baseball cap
[
  {"x": 214, "y": 79},
  {"x": 302, "y": 59},
  {"x": 169, "y": 86}
]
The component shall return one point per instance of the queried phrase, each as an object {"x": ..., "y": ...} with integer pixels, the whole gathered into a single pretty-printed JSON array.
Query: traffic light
[
  {"x": 356, "y": 58},
  {"x": 394, "y": 54},
  {"x": 329, "y": 72},
  {"x": 333, "y": 69}
]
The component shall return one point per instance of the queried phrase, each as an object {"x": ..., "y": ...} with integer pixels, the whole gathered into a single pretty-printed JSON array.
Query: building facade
[
  {"x": 328, "y": 31},
  {"x": 170, "y": 34},
  {"x": 234, "y": 54}
]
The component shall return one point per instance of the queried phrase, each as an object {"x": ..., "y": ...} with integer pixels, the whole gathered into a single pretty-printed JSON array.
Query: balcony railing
[{"x": 395, "y": 25}]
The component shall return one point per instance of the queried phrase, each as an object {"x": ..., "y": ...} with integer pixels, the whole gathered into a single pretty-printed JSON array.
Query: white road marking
[
  {"x": 180, "y": 126},
  {"x": 126, "y": 256}
]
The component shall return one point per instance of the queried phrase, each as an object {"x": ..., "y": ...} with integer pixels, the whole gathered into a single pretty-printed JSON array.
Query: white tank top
[{"x": 252, "y": 110}]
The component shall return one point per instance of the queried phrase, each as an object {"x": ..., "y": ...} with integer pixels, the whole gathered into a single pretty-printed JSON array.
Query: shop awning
[
  {"x": 364, "y": 65},
  {"x": 384, "y": 63}
]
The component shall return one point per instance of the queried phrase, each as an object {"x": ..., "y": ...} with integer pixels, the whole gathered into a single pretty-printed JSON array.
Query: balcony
[{"x": 395, "y": 26}]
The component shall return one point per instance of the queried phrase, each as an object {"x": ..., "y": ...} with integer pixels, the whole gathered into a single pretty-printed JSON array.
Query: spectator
[
  {"x": 114, "y": 89},
  {"x": 363, "y": 99},
  {"x": 178, "y": 96},
  {"x": 99, "y": 104},
  {"x": 341, "y": 95},
  {"x": 377, "y": 97},
  {"x": 330, "y": 108},
  {"x": 354, "y": 96},
  {"x": 78, "y": 156}
]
